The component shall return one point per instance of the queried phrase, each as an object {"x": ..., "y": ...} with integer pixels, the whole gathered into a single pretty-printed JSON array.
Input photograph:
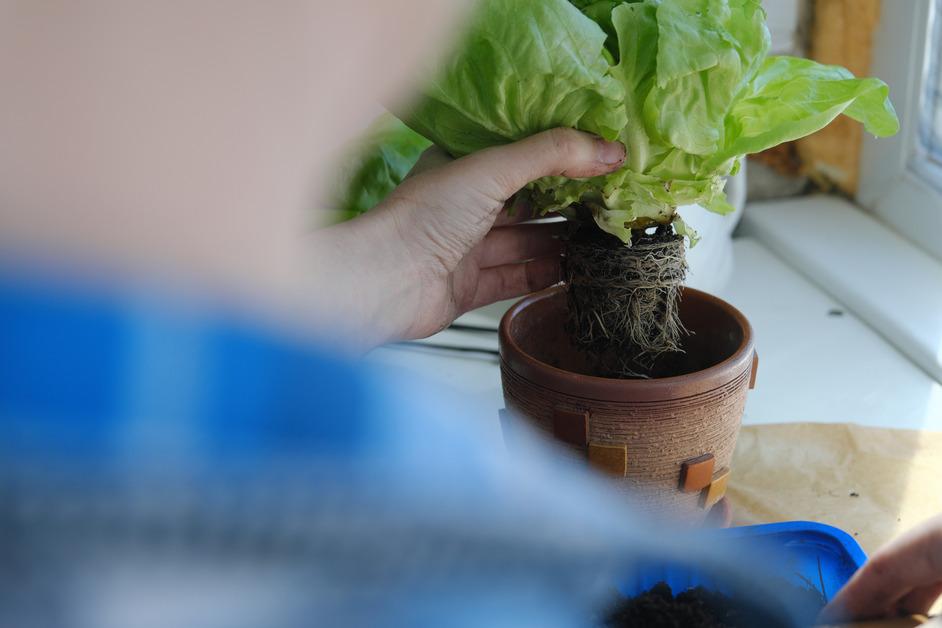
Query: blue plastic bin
[{"x": 804, "y": 553}]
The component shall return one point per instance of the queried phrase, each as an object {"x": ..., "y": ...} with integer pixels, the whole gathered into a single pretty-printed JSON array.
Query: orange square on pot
[
  {"x": 696, "y": 473},
  {"x": 609, "y": 459},
  {"x": 716, "y": 490}
]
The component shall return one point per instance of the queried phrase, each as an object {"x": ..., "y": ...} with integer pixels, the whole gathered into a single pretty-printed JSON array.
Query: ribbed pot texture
[{"x": 641, "y": 432}]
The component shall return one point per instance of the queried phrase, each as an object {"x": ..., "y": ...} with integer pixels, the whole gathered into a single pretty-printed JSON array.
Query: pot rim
[{"x": 626, "y": 390}]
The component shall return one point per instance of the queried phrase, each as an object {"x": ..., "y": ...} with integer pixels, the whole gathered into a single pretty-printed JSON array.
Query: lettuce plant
[{"x": 686, "y": 85}]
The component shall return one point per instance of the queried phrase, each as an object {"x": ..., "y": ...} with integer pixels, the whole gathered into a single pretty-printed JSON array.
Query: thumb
[{"x": 501, "y": 171}]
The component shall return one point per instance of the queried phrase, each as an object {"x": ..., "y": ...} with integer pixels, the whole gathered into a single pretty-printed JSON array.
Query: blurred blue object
[
  {"x": 163, "y": 464},
  {"x": 78, "y": 370}
]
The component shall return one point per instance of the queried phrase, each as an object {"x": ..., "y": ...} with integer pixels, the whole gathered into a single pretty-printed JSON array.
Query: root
[{"x": 624, "y": 301}]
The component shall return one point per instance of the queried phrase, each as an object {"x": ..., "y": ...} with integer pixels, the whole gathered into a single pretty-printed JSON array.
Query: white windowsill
[{"x": 885, "y": 280}]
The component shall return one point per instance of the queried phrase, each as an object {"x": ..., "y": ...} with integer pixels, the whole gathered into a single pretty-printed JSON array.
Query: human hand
[
  {"x": 439, "y": 245},
  {"x": 902, "y": 578}
]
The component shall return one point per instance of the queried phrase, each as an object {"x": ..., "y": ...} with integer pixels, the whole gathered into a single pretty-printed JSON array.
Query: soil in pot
[
  {"x": 702, "y": 608},
  {"x": 624, "y": 313}
]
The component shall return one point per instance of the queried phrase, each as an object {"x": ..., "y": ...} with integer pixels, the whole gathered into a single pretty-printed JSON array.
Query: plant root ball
[{"x": 624, "y": 300}]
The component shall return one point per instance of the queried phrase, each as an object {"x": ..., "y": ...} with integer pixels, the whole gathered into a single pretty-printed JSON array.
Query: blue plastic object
[
  {"x": 804, "y": 553},
  {"x": 107, "y": 397},
  {"x": 84, "y": 368}
]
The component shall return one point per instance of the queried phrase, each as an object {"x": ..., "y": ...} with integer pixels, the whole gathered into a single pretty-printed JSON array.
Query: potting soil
[{"x": 698, "y": 608}]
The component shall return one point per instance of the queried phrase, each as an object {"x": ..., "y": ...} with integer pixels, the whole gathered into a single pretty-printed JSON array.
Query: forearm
[{"x": 367, "y": 287}]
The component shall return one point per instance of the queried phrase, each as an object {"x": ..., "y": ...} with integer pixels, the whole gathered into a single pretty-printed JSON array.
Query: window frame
[{"x": 893, "y": 173}]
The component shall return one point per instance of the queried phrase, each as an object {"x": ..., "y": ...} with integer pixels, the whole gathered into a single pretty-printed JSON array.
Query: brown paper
[{"x": 873, "y": 483}]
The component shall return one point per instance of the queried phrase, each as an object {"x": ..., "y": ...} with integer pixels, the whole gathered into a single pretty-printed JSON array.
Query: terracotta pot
[{"x": 669, "y": 441}]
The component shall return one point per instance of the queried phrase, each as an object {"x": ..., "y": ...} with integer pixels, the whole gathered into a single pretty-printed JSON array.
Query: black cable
[
  {"x": 442, "y": 347},
  {"x": 473, "y": 328}
]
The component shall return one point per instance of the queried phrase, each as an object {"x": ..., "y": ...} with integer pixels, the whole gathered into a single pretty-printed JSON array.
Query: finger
[
  {"x": 912, "y": 561},
  {"x": 501, "y": 171},
  {"x": 515, "y": 280},
  {"x": 873, "y": 592},
  {"x": 431, "y": 158},
  {"x": 919, "y": 601},
  {"x": 507, "y": 245}
]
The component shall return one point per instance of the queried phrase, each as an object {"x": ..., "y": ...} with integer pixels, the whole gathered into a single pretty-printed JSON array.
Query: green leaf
[
  {"x": 600, "y": 12},
  {"x": 719, "y": 205},
  {"x": 708, "y": 50},
  {"x": 791, "y": 98},
  {"x": 376, "y": 166},
  {"x": 525, "y": 66},
  {"x": 684, "y": 230}
]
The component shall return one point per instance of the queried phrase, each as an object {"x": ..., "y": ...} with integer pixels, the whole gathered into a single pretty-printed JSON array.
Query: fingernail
[{"x": 611, "y": 153}]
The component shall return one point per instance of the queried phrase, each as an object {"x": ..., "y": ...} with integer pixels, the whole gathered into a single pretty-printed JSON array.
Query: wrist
[
  {"x": 396, "y": 271},
  {"x": 368, "y": 283}
]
